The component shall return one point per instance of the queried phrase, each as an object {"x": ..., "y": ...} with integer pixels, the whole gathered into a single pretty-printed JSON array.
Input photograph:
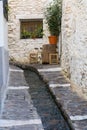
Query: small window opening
[{"x": 31, "y": 28}]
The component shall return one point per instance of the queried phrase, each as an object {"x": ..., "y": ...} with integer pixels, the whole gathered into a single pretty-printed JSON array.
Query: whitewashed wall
[
  {"x": 3, "y": 56},
  {"x": 74, "y": 42}
]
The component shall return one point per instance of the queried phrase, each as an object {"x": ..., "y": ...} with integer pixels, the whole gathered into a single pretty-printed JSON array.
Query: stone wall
[
  {"x": 19, "y": 49},
  {"x": 74, "y": 42}
]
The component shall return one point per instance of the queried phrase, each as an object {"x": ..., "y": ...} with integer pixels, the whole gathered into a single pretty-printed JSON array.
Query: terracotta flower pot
[{"x": 53, "y": 39}]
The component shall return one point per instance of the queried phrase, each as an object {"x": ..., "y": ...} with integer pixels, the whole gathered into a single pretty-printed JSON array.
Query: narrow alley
[{"x": 43, "y": 83}]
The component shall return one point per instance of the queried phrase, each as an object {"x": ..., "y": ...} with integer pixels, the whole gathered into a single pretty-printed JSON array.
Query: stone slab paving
[
  {"x": 54, "y": 77},
  {"x": 19, "y": 112},
  {"x": 73, "y": 107},
  {"x": 18, "y": 79},
  {"x": 18, "y": 106},
  {"x": 23, "y": 127},
  {"x": 29, "y": 106}
]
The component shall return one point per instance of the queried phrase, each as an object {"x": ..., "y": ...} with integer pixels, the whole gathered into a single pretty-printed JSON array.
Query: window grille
[{"x": 31, "y": 28}]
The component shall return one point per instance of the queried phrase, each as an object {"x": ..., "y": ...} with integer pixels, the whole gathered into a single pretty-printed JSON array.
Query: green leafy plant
[
  {"x": 25, "y": 34},
  {"x": 53, "y": 14},
  {"x": 5, "y": 8},
  {"x": 37, "y": 33}
]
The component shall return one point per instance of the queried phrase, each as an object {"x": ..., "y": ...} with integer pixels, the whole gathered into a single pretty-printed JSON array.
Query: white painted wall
[
  {"x": 4, "y": 60},
  {"x": 3, "y": 28},
  {"x": 3, "y": 37},
  {"x": 1, "y": 25}
]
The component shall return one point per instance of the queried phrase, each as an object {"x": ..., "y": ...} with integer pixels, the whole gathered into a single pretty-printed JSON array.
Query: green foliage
[
  {"x": 53, "y": 14},
  {"x": 5, "y": 8},
  {"x": 37, "y": 33},
  {"x": 25, "y": 34}
]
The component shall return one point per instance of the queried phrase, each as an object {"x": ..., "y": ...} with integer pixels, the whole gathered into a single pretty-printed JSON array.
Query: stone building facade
[
  {"x": 19, "y": 49},
  {"x": 74, "y": 42}
]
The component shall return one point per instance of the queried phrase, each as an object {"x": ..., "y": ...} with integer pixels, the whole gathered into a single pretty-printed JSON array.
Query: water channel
[{"x": 51, "y": 117}]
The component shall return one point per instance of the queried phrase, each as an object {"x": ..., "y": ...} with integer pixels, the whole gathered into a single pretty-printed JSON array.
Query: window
[{"x": 31, "y": 28}]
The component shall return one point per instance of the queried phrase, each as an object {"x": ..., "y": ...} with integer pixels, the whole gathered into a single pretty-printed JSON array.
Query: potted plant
[{"x": 53, "y": 14}]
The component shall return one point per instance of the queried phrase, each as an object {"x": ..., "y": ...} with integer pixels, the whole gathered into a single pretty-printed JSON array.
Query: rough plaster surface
[{"x": 74, "y": 41}]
